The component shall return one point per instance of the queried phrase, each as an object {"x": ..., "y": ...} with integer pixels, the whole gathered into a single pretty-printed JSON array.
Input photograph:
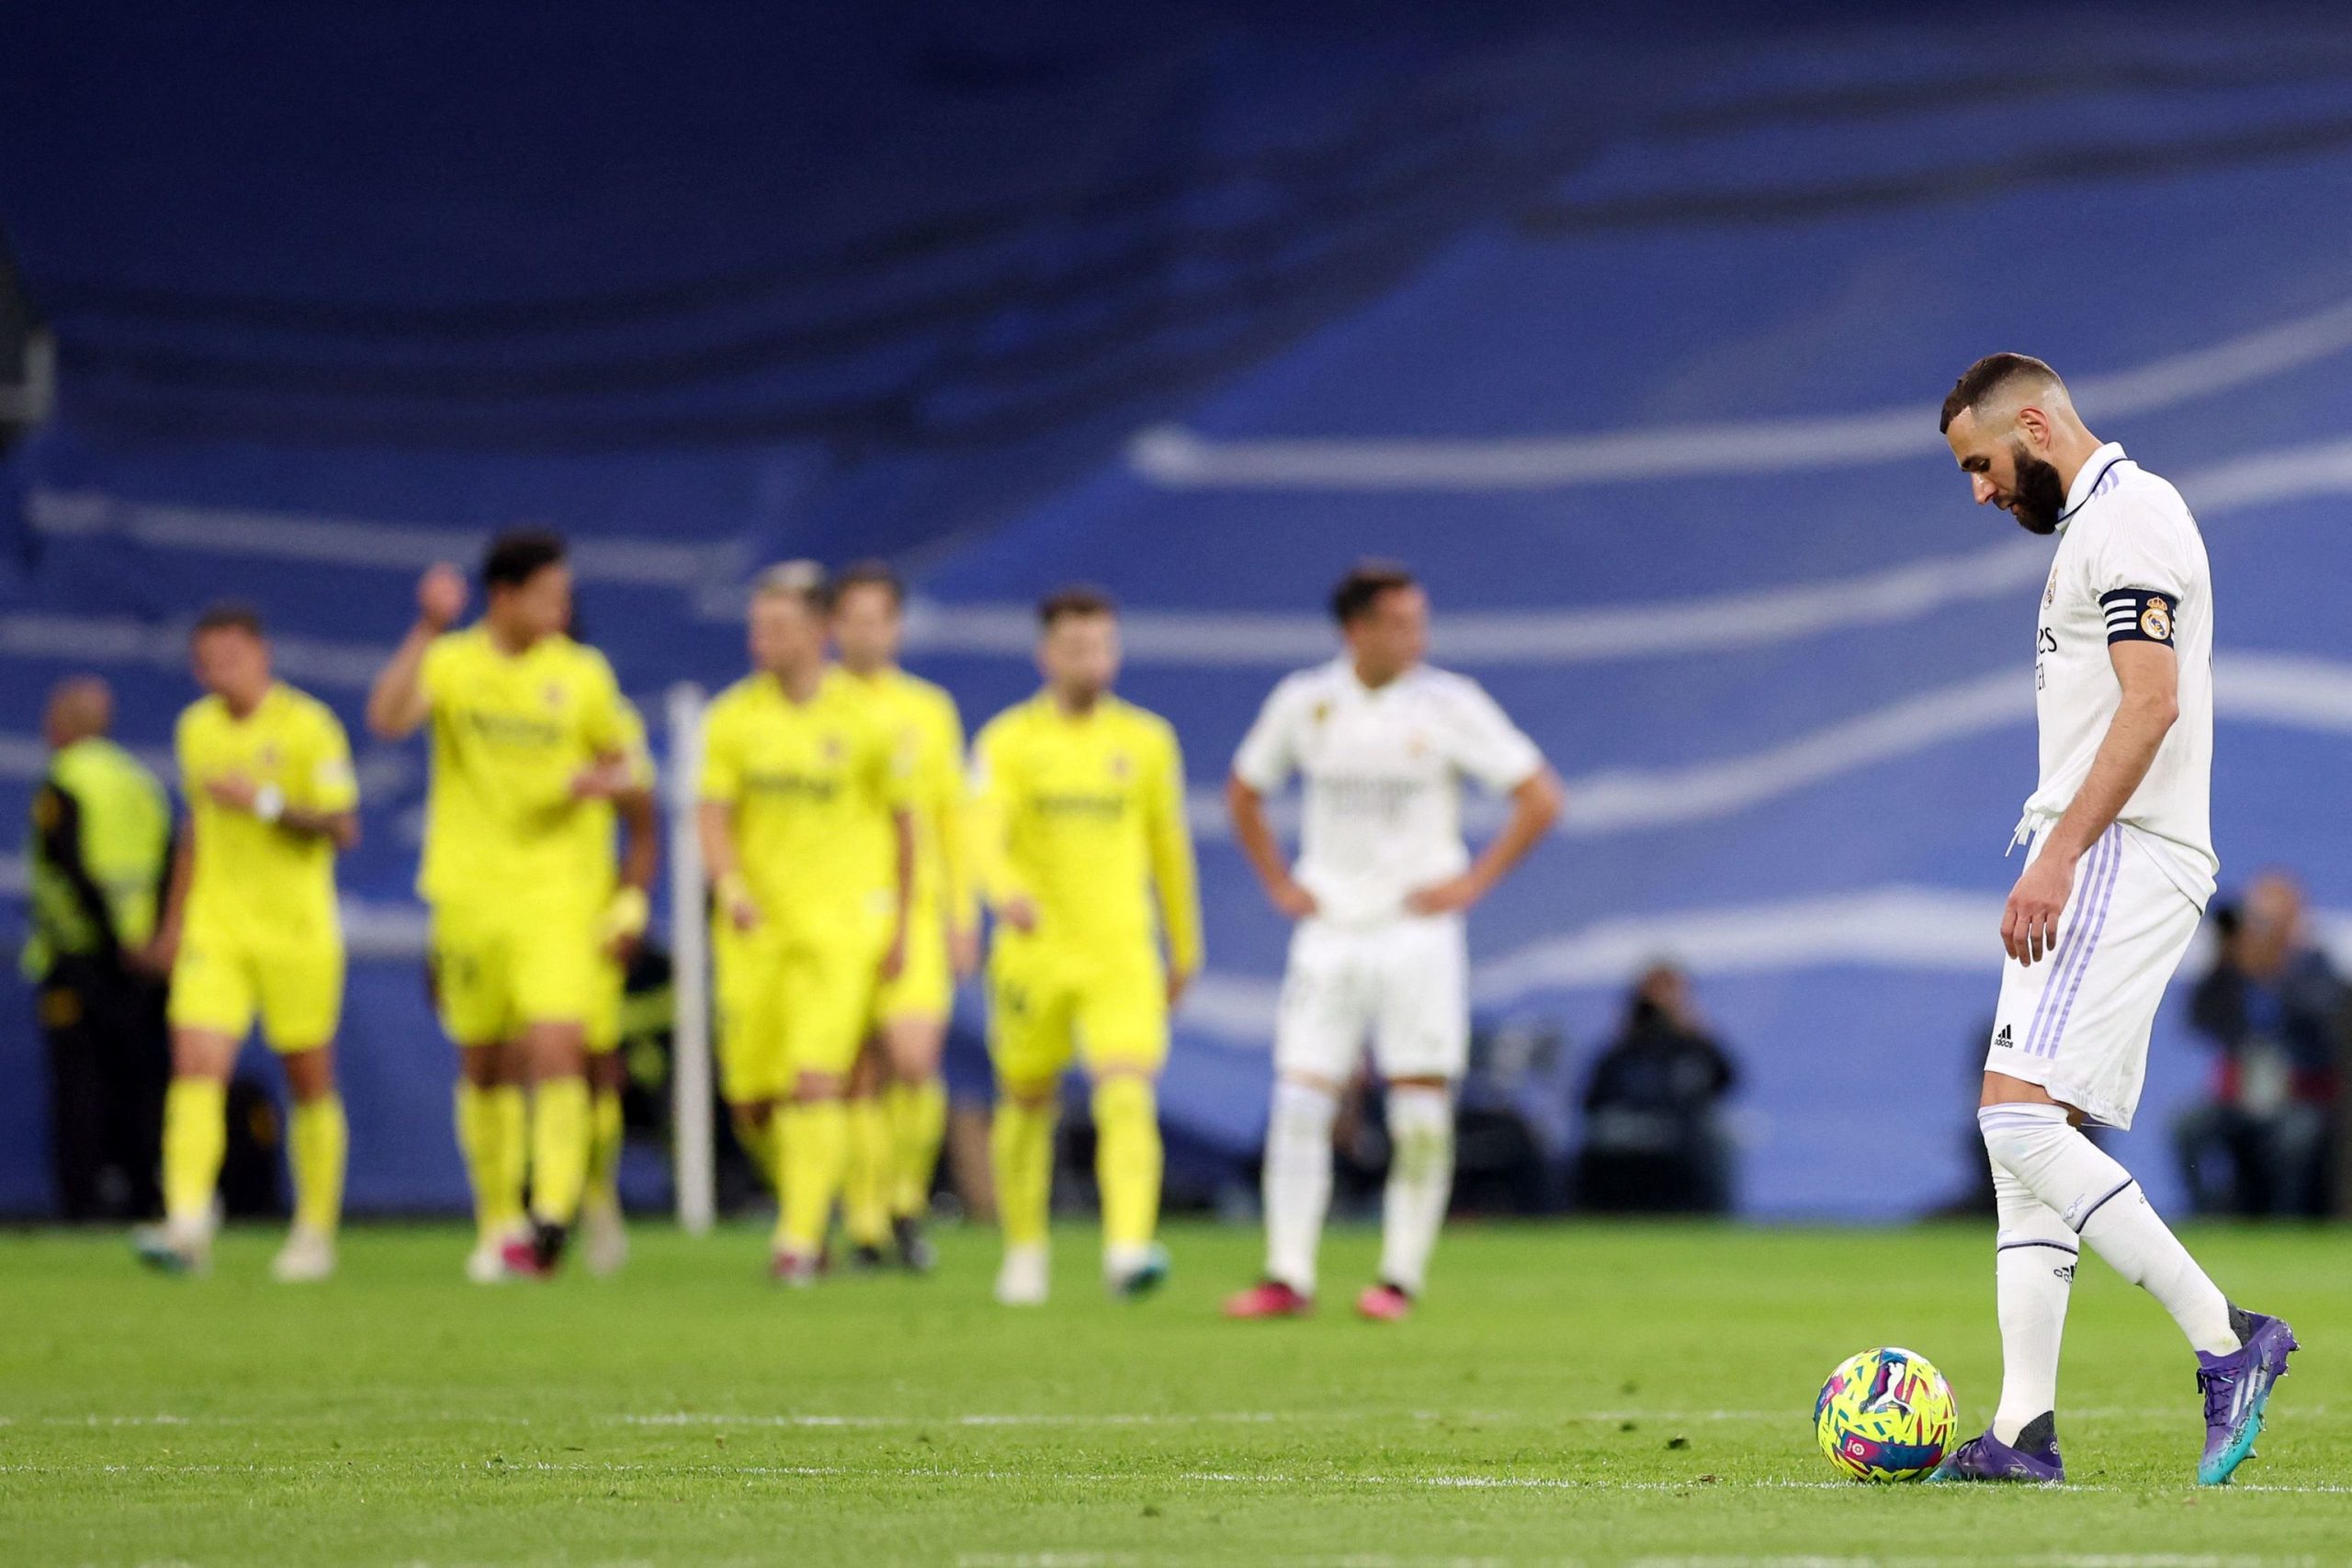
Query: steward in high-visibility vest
[{"x": 97, "y": 859}]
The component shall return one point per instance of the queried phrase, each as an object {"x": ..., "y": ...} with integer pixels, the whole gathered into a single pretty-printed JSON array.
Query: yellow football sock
[
  {"x": 756, "y": 1138},
  {"x": 196, "y": 1137},
  {"x": 1128, "y": 1159},
  {"x": 490, "y": 1135},
  {"x": 605, "y": 1133},
  {"x": 918, "y": 1124},
  {"x": 1021, "y": 1150},
  {"x": 316, "y": 1145},
  {"x": 816, "y": 1151},
  {"x": 866, "y": 1187},
  {"x": 512, "y": 1107},
  {"x": 559, "y": 1148}
]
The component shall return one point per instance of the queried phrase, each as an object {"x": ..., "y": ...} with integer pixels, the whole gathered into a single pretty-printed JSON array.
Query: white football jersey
[
  {"x": 1382, "y": 770},
  {"x": 2130, "y": 567}
]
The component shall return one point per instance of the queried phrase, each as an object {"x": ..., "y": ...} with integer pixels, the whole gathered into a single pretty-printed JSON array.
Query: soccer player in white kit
[
  {"x": 1382, "y": 885},
  {"x": 2119, "y": 869}
]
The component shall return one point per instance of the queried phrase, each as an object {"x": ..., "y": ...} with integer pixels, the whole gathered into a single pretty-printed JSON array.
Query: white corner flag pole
[{"x": 693, "y": 1159}]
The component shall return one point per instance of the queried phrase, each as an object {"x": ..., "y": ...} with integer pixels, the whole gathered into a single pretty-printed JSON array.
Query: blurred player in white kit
[{"x": 1382, "y": 743}]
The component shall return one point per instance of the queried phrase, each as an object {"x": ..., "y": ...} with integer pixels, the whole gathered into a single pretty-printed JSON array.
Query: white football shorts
[
  {"x": 1404, "y": 983},
  {"x": 2078, "y": 1023}
]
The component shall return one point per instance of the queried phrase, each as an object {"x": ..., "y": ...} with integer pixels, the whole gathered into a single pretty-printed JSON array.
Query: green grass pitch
[{"x": 1568, "y": 1394}]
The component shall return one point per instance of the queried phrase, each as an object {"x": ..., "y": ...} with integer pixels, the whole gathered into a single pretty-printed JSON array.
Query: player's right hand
[
  {"x": 1020, "y": 912},
  {"x": 741, "y": 912},
  {"x": 1293, "y": 901},
  {"x": 2029, "y": 919},
  {"x": 441, "y": 596}
]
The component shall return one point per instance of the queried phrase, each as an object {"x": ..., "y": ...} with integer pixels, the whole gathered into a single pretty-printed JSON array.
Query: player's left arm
[
  {"x": 632, "y": 905},
  {"x": 1491, "y": 749},
  {"x": 894, "y": 766},
  {"x": 958, "y": 891},
  {"x": 1174, "y": 873},
  {"x": 614, "y": 739},
  {"x": 2138, "y": 569},
  {"x": 2149, "y": 672}
]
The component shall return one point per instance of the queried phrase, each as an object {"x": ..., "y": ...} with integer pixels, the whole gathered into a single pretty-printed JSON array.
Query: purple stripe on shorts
[
  {"x": 2080, "y": 938},
  {"x": 2069, "y": 946},
  {"x": 2106, "y": 904}
]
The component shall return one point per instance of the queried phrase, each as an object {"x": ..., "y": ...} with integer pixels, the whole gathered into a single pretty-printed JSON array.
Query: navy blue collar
[{"x": 2093, "y": 488}]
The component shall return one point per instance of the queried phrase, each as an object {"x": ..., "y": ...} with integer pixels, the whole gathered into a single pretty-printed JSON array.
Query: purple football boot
[
  {"x": 2035, "y": 1458},
  {"x": 2236, "y": 1388}
]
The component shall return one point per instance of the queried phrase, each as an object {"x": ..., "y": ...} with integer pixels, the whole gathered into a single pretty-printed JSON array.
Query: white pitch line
[{"x": 1135, "y": 1477}]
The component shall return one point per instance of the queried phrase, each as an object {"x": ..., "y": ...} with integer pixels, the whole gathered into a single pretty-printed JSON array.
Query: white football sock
[
  {"x": 2033, "y": 1274},
  {"x": 1297, "y": 1182},
  {"x": 2098, "y": 1199},
  {"x": 1420, "y": 1179}
]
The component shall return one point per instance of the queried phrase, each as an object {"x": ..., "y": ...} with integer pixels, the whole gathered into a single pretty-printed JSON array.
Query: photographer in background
[
  {"x": 1654, "y": 1141},
  {"x": 2272, "y": 1007}
]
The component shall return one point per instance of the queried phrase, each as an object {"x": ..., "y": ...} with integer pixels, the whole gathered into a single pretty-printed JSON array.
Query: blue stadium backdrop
[{"x": 1628, "y": 337}]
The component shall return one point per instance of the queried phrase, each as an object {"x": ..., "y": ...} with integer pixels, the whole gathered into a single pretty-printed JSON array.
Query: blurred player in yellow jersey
[
  {"x": 619, "y": 871},
  {"x": 526, "y": 732},
  {"x": 251, "y": 927},
  {"x": 1078, "y": 821},
  {"x": 898, "y": 1120},
  {"x": 810, "y": 845}
]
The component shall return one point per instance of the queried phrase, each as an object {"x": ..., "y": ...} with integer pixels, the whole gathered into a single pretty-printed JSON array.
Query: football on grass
[{"x": 1886, "y": 1414}]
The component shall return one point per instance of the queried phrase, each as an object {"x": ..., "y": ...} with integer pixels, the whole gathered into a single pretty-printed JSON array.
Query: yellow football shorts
[
  {"x": 498, "y": 967},
  {"x": 1046, "y": 1008},
  {"x": 789, "y": 1005},
  {"x": 220, "y": 981},
  {"x": 924, "y": 988}
]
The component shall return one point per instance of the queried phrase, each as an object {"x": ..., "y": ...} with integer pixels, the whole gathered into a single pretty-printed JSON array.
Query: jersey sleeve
[
  {"x": 329, "y": 782},
  {"x": 720, "y": 777},
  {"x": 950, "y": 823},
  {"x": 437, "y": 676},
  {"x": 184, "y": 754},
  {"x": 1269, "y": 753},
  {"x": 600, "y": 707},
  {"x": 1173, "y": 873},
  {"x": 635, "y": 753},
  {"x": 990, "y": 798},
  {"x": 1484, "y": 743},
  {"x": 2139, "y": 573}
]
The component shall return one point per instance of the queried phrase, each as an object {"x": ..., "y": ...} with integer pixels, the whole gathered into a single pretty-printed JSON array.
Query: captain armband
[{"x": 2138, "y": 615}]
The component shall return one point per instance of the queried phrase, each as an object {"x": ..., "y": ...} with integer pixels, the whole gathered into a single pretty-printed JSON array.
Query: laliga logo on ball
[{"x": 1885, "y": 1415}]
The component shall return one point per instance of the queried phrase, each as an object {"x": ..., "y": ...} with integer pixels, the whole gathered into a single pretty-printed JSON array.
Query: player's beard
[{"x": 2039, "y": 497}]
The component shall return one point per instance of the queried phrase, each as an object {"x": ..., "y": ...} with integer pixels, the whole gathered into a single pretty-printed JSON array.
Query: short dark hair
[
  {"x": 870, "y": 574},
  {"x": 227, "y": 616},
  {"x": 1981, "y": 379},
  {"x": 1362, "y": 588},
  {"x": 518, "y": 555},
  {"x": 801, "y": 580},
  {"x": 1077, "y": 599}
]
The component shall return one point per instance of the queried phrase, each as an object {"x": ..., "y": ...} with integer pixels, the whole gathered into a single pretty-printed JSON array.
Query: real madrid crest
[
  {"x": 1120, "y": 766},
  {"x": 2155, "y": 621}
]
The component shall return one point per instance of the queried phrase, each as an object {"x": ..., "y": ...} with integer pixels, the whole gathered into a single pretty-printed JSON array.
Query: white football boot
[
  {"x": 307, "y": 1257},
  {"x": 1024, "y": 1280}
]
